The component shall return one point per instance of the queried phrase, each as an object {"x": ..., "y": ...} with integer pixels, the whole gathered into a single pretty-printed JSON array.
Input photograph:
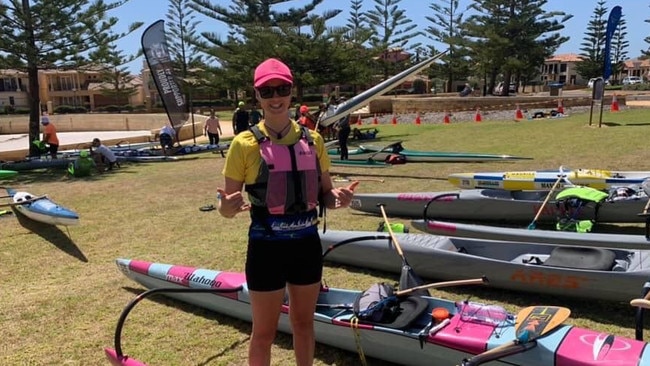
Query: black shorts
[{"x": 270, "y": 265}]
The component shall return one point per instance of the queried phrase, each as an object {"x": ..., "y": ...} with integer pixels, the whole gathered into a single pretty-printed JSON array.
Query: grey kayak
[
  {"x": 558, "y": 238},
  {"x": 493, "y": 205},
  {"x": 605, "y": 274}
]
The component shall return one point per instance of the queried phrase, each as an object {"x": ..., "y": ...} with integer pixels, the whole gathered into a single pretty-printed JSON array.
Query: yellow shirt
[{"x": 244, "y": 159}]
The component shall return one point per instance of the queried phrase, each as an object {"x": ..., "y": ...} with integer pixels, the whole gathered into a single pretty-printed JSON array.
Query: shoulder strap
[
  {"x": 307, "y": 135},
  {"x": 259, "y": 136}
]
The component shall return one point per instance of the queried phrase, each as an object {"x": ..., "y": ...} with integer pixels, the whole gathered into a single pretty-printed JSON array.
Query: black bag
[{"x": 377, "y": 304}]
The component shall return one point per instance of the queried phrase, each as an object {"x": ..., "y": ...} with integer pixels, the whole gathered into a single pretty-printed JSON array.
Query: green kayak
[
  {"x": 366, "y": 152},
  {"x": 4, "y": 174}
]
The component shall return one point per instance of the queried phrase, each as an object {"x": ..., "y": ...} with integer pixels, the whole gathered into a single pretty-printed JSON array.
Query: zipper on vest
[{"x": 297, "y": 182}]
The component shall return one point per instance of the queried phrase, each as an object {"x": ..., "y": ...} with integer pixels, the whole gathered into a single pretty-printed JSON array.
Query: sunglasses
[{"x": 266, "y": 92}]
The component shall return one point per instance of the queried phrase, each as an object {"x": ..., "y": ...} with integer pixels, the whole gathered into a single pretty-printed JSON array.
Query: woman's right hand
[{"x": 230, "y": 205}]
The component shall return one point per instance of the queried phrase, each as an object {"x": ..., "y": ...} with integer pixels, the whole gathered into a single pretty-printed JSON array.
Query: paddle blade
[
  {"x": 535, "y": 321},
  {"x": 409, "y": 279}
]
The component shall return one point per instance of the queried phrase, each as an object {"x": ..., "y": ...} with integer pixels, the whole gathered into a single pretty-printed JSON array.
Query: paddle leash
[
  {"x": 408, "y": 278},
  {"x": 532, "y": 323},
  {"x": 533, "y": 224}
]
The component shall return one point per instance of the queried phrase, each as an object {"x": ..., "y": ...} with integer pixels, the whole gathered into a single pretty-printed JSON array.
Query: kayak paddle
[
  {"x": 408, "y": 278},
  {"x": 531, "y": 323},
  {"x": 533, "y": 224}
]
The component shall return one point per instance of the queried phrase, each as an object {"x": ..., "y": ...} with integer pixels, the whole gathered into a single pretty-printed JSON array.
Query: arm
[
  {"x": 232, "y": 200},
  {"x": 219, "y": 126},
  {"x": 336, "y": 197}
]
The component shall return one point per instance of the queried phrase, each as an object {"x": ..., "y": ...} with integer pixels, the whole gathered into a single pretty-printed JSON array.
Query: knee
[
  {"x": 263, "y": 337},
  {"x": 302, "y": 327}
]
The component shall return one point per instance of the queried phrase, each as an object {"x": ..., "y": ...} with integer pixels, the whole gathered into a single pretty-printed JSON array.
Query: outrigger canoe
[
  {"x": 563, "y": 238},
  {"x": 367, "y": 152},
  {"x": 42, "y": 209},
  {"x": 471, "y": 329},
  {"x": 497, "y": 205},
  {"x": 603, "y": 274},
  {"x": 360, "y": 163},
  {"x": 545, "y": 179},
  {"x": 6, "y": 174}
]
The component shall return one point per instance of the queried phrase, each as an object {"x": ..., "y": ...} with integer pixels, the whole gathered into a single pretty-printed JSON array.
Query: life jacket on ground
[
  {"x": 289, "y": 180},
  {"x": 81, "y": 167}
]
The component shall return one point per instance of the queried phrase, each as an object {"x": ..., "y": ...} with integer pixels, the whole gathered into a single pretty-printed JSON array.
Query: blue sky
[{"x": 635, "y": 13}]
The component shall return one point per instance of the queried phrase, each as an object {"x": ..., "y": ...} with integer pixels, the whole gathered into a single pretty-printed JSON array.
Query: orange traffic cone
[
  {"x": 560, "y": 107},
  {"x": 477, "y": 116},
  {"x": 446, "y": 120},
  {"x": 375, "y": 121},
  {"x": 359, "y": 121},
  {"x": 518, "y": 113},
  {"x": 418, "y": 121},
  {"x": 394, "y": 120},
  {"x": 614, "y": 106}
]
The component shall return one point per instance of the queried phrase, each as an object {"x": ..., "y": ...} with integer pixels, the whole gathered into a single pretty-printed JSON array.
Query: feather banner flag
[
  {"x": 612, "y": 24},
  {"x": 160, "y": 64}
]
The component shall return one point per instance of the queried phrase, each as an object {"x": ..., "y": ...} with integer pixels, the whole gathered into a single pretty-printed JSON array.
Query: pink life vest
[{"x": 289, "y": 179}]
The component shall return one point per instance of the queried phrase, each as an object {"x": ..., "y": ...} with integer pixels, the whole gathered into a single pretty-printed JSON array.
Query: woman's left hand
[{"x": 343, "y": 195}]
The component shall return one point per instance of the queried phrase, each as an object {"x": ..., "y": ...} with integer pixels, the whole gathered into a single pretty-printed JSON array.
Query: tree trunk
[{"x": 32, "y": 73}]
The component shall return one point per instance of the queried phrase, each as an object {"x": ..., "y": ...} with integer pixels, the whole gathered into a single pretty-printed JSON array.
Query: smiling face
[{"x": 276, "y": 107}]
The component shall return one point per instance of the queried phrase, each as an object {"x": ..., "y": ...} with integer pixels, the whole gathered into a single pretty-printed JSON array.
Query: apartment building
[
  {"x": 62, "y": 87},
  {"x": 561, "y": 68}
]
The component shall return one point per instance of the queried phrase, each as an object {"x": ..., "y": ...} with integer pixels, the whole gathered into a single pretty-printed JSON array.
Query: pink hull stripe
[
  {"x": 442, "y": 226},
  {"x": 586, "y": 347},
  {"x": 414, "y": 197},
  {"x": 180, "y": 275},
  {"x": 464, "y": 336},
  {"x": 125, "y": 361},
  {"x": 139, "y": 266}
]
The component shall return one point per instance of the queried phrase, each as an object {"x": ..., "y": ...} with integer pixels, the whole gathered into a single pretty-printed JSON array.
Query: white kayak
[
  {"x": 42, "y": 209},
  {"x": 545, "y": 179}
]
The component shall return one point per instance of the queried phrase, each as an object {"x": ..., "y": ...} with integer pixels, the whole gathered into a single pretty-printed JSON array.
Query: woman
[
  {"x": 285, "y": 171},
  {"x": 212, "y": 128}
]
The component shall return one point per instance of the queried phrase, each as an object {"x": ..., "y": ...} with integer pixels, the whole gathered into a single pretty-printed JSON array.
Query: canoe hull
[
  {"x": 44, "y": 210},
  {"x": 375, "y": 153},
  {"x": 432, "y": 256},
  {"x": 563, "y": 238},
  {"x": 491, "y": 205},
  {"x": 461, "y": 338},
  {"x": 544, "y": 180}
]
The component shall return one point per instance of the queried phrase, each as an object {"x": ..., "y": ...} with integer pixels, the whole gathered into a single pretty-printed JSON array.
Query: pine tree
[
  {"x": 43, "y": 34},
  {"x": 594, "y": 43},
  {"x": 392, "y": 30},
  {"x": 512, "y": 37},
  {"x": 620, "y": 45},
  {"x": 117, "y": 81},
  {"x": 445, "y": 28}
]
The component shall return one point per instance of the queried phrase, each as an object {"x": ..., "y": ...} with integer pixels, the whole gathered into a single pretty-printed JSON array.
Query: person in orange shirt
[
  {"x": 49, "y": 136},
  {"x": 306, "y": 119}
]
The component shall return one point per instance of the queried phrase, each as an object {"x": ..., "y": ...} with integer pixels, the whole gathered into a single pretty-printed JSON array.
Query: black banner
[{"x": 156, "y": 53}]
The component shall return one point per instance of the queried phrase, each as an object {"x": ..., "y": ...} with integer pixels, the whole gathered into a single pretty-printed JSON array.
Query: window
[{"x": 562, "y": 67}]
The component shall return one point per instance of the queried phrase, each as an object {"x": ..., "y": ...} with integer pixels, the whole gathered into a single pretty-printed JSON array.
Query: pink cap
[{"x": 272, "y": 69}]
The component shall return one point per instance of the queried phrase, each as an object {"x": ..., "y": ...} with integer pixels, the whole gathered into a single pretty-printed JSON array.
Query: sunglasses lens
[{"x": 266, "y": 92}]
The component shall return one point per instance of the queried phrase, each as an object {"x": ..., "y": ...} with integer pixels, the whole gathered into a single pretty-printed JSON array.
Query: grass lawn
[{"x": 62, "y": 294}]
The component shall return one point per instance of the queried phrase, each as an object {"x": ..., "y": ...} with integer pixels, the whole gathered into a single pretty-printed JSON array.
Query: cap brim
[{"x": 265, "y": 79}]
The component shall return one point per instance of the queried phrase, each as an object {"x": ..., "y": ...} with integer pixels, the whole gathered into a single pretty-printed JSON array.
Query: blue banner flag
[{"x": 612, "y": 24}]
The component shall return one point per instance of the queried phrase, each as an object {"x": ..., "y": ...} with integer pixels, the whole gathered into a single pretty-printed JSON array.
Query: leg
[
  {"x": 266, "y": 278},
  {"x": 266, "y": 307},
  {"x": 54, "y": 149},
  {"x": 303, "y": 303},
  {"x": 304, "y": 286}
]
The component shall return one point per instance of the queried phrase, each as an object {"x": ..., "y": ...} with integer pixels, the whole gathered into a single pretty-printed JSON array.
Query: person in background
[
  {"x": 240, "y": 119},
  {"x": 212, "y": 128},
  {"x": 102, "y": 155},
  {"x": 82, "y": 166},
  {"x": 343, "y": 133},
  {"x": 296, "y": 112},
  {"x": 306, "y": 118},
  {"x": 256, "y": 116},
  {"x": 49, "y": 136},
  {"x": 284, "y": 249},
  {"x": 167, "y": 137}
]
